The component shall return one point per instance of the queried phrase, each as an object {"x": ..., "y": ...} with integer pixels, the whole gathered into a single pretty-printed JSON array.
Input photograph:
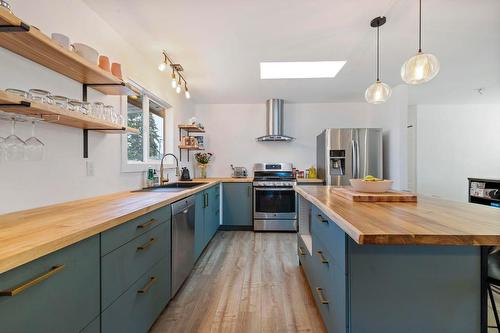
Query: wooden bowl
[{"x": 361, "y": 185}]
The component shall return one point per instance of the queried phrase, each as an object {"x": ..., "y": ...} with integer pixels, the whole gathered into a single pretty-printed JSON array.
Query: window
[
  {"x": 156, "y": 131},
  {"x": 148, "y": 114}
]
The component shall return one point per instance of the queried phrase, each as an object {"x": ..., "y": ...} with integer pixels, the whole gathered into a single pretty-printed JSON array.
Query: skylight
[{"x": 300, "y": 69}]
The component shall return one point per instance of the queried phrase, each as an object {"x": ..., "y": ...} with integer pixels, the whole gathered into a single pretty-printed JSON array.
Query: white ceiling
[{"x": 221, "y": 42}]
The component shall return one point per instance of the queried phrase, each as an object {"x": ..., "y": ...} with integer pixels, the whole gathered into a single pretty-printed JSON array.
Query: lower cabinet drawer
[
  {"x": 126, "y": 264},
  {"x": 137, "y": 309},
  {"x": 56, "y": 293},
  {"x": 304, "y": 259},
  {"x": 119, "y": 235},
  {"x": 329, "y": 233},
  {"x": 330, "y": 287}
]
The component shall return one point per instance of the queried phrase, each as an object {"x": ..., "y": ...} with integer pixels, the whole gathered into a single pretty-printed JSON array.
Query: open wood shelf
[
  {"x": 191, "y": 128},
  {"x": 15, "y": 104},
  {"x": 191, "y": 147},
  {"x": 31, "y": 43}
]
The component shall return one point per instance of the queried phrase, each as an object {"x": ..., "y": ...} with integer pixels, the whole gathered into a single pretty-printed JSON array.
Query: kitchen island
[{"x": 395, "y": 267}]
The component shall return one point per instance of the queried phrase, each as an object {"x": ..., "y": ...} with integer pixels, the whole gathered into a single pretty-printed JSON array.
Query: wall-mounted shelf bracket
[
  {"x": 23, "y": 104},
  {"x": 23, "y": 27},
  {"x": 86, "y": 137}
]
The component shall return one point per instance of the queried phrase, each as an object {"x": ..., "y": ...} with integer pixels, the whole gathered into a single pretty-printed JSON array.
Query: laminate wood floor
[{"x": 244, "y": 282}]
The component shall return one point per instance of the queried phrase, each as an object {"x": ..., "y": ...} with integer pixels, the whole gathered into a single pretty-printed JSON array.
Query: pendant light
[
  {"x": 378, "y": 92},
  {"x": 187, "y": 94},
  {"x": 179, "y": 86},
  {"x": 422, "y": 67}
]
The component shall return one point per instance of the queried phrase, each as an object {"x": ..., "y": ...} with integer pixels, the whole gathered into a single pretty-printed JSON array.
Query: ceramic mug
[
  {"x": 116, "y": 70},
  {"x": 104, "y": 63},
  {"x": 61, "y": 39},
  {"x": 86, "y": 52}
]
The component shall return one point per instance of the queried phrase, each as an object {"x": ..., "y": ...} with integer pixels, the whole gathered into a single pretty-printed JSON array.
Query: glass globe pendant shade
[
  {"x": 178, "y": 89},
  {"x": 378, "y": 93},
  {"x": 174, "y": 83},
  {"x": 420, "y": 68}
]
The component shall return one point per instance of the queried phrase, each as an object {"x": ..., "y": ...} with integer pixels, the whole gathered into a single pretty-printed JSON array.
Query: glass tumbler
[
  {"x": 60, "y": 101},
  {"x": 42, "y": 96},
  {"x": 75, "y": 105},
  {"x": 98, "y": 110},
  {"x": 18, "y": 92},
  {"x": 108, "y": 113}
]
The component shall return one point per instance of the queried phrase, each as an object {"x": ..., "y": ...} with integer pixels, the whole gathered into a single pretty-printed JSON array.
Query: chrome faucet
[{"x": 177, "y": 174}]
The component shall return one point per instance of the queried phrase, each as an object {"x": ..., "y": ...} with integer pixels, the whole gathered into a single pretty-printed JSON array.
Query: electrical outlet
[{"x": 90, "y": 168}]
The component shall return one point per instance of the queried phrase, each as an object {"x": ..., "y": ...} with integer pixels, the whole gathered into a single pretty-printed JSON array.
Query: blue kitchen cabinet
[
  {"x": 212, "y": 213},
  {"x": 55, "y": 293},
  {"x": 390, "y": 288},
  {"x": 207, "y": 218},
  {"x": 199, "y": 224},
  {"x": 237, "y": 204}
]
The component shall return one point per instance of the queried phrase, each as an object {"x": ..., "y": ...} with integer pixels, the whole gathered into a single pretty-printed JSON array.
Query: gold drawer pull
[
  {"x": 148, "y": 285},
  {"x": 148, "y": 244},
  {"x": 322, "y": 219},
  {"x": 301, "y": 251},
  {"x": 19, "y": 289},
  {"x": 322, "y": 257},
  {"x": 147, "y": 224},
  {"x": 321, "y": 297}
]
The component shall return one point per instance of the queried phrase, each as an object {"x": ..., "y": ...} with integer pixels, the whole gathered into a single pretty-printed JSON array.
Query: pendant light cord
[
  {"x": 378, "y": 55},
  {"x": 420, "y": 27}
]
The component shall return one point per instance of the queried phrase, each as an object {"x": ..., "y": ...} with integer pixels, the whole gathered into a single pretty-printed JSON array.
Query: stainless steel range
[{"x": 274, "y": 199}]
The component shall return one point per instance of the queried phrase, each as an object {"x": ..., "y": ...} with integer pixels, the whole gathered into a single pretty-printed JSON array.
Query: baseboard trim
[{"x": 236, "y": 227}]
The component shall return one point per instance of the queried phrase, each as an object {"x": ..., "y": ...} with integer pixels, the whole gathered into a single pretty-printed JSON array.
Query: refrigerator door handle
[{"x": 354, "y": 160}]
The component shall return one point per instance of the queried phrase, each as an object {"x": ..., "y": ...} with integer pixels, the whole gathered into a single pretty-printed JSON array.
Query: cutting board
[{"x": 391, "y": 196}]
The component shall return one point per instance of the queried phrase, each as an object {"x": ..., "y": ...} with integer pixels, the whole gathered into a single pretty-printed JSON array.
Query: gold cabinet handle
[
  {"x": 322, "y": 219},
  {"x": 321, "y": 297},
  {"x": 33, "y": 282},
  {"x": 301, "y": 251},
  {"x": 322, "y": 257},
  {"x": 146, "y": 245},
  {"x": 148, "y": 285},
  {"x": 147, "y": 224}
]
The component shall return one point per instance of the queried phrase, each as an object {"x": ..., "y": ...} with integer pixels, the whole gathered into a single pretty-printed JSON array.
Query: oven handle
[{"x": 273, "y": 189}]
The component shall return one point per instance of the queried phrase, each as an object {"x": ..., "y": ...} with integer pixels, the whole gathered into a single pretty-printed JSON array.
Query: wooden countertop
[
  {"x": 225, "y": 179},
  {"x": 31, "y": 234},
  {"x": 430, "y": 221},
  {"x": 309, "y": 181}
]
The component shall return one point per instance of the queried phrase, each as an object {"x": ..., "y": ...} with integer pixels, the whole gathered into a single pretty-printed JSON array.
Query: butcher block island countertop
[
  {"x": 30, "y": 234},
  {"x": 428, "y": 222}
]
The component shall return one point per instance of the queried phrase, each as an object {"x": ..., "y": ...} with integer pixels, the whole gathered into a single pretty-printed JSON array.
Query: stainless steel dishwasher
[{"x": 183, "y": 212}]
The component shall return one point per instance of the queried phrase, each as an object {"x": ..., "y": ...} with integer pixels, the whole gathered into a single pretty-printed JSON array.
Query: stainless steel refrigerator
[{"x": 346, "y": 153}]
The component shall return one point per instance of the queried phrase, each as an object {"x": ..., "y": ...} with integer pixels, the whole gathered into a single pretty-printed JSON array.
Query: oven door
[{"x": 274, "y": 203}]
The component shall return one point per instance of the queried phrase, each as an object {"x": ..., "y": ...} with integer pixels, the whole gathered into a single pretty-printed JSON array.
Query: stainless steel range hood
[{"x": 274, "y": 122}]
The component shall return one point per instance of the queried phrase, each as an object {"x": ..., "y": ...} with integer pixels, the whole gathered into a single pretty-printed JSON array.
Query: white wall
[
  {"x": 232, "y": 129},
  {"x": 455, "y": 142},
  {"x": 62, "y": 175}
]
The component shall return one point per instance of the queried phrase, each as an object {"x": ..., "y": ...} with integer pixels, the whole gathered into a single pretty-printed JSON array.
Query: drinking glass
[
  {"x": 42, "y": 96},
  {"x": 75, "y": 105},
  {"x": 98, "y": 110},
  {"x": 14, "y": 146},
  {"x": 60, "y": 101},
  {"x": 108, "y": 113},
  {"x": 34, "y": 147},
  {"x": 2, "y": 149}
]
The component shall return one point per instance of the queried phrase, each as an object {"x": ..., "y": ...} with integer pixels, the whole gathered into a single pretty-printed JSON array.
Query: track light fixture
[{"x": 176, "y": 76}]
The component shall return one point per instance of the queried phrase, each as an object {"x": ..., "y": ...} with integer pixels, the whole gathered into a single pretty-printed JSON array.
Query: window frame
[{"x": 142, "y": 166}]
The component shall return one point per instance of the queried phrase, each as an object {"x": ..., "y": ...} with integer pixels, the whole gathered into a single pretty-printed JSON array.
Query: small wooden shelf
[
  {"x": 15, "y": 104},
  {"x": 31, "y": 43},
  {"x": 191, "y": 147},
  {"x": 191, "y": 128}
]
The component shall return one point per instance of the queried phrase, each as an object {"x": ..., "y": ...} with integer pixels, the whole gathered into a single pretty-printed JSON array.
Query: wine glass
[
  {"x": 14, "y": 146},
  {"x": 2, "y": 149},
  {"x": 34, "y": 147}
]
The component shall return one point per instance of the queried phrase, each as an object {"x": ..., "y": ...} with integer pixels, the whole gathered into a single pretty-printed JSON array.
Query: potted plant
[{"x": 203, "y": 159}]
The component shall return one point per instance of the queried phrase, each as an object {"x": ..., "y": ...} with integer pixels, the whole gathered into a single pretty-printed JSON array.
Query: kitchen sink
[{"x": 173, "y": 187}]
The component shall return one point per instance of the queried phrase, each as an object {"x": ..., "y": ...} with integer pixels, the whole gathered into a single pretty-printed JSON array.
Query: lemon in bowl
[{"x": 371, "y": 184}]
